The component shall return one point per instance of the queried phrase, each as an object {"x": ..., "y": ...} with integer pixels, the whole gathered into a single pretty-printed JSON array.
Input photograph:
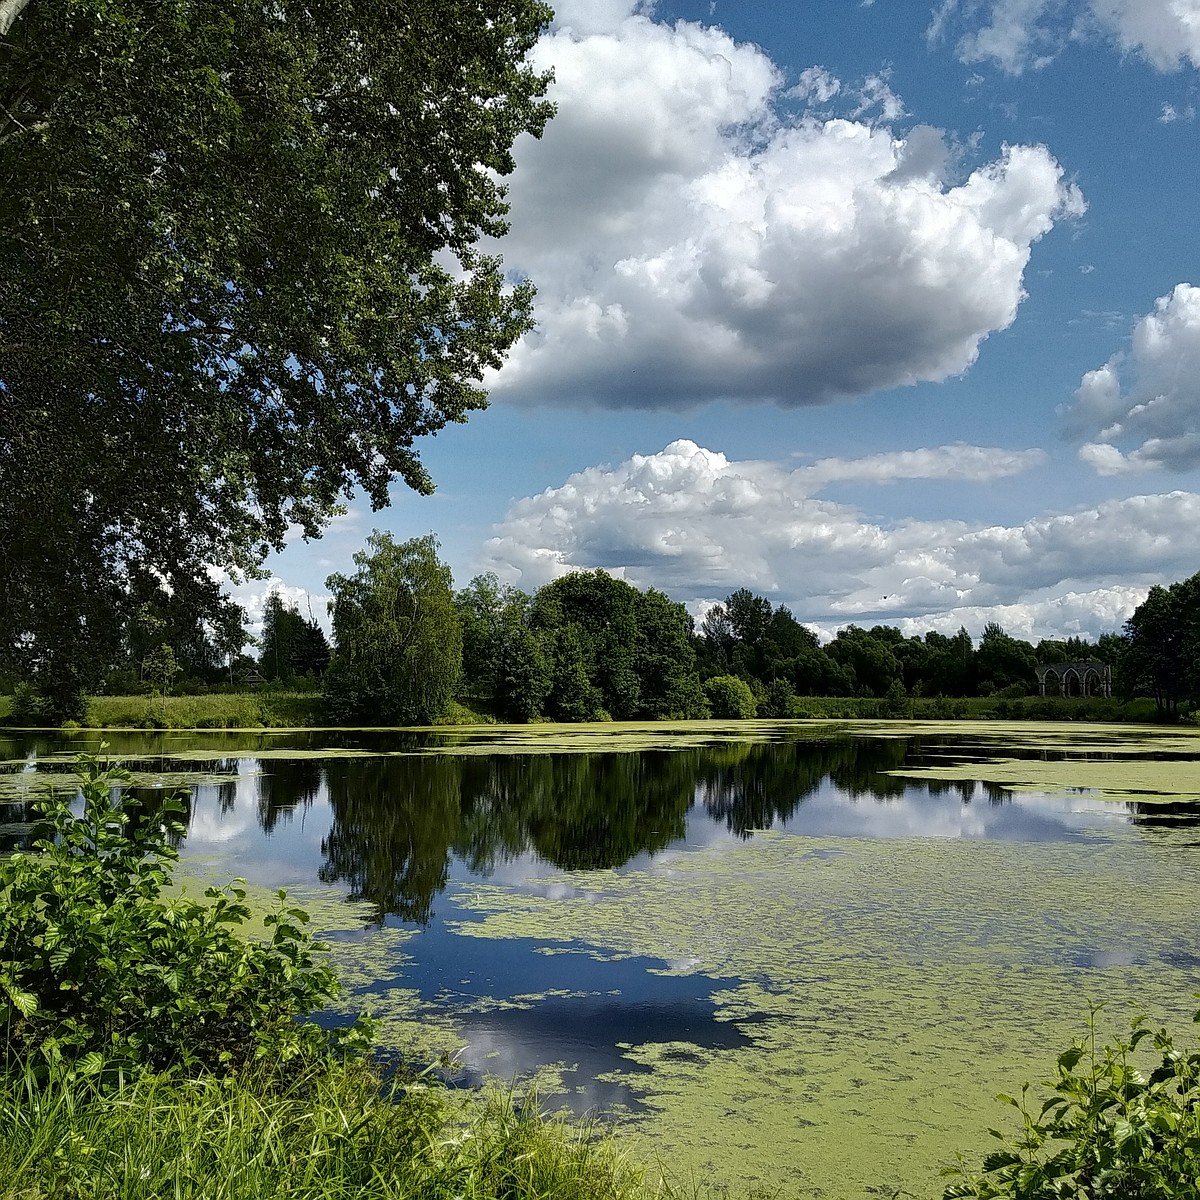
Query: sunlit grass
[
  {"x": 330, "y": 1133},
  {"x": 244, "y": 710}
]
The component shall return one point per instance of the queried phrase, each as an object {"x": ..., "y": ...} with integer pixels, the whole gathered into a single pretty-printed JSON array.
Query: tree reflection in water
[
  {"x": 398, "y": 820},
  {"x": 394, "y": 821}
]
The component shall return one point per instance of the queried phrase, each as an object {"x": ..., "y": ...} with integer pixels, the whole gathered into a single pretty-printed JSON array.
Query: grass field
[{"x": 273, "y": 709}]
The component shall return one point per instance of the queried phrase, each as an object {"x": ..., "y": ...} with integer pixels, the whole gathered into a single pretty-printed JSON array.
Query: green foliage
[
  {"x": 896, "y": 703},
  {"x": 505, "y": 660},
  {"x": 867, "y": 658},
  {"x": 573, "y": 696},
  {"x": 332, "y": 1133},
  {"x": 616, "y": 651},
  {"x": 666, "y": 660},
  {"x": 100, "y": 973},
  {"x": 242, "y": 274},
  {"x": 525, "y": 672},
  {"x": 290, "y": 646},
  {"x": 730, "y": 698},
  {"x": 1115, "y": 1127},
  {"x": 592, "y": 618},
  {"x": 1003, "y": 662},
  {"x": 1162, "y": 655},
  {"x": 161, "y": 668},
  {"x": 397, "y": 635},
  {"x": 32, "y": 709}
]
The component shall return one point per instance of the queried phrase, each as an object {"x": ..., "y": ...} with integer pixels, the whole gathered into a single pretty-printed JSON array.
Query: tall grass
[
  {"x": 279, "y": 709},
  {"x": 973, "y": 708},
  {"x": 236, "y": 710},
  {"x": 330, "y": 1134}
]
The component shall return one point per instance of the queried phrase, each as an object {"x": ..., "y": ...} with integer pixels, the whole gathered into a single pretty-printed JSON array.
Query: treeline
[
  {"x": 407, "y": 647},
  {"x": 590, "y": 647}
]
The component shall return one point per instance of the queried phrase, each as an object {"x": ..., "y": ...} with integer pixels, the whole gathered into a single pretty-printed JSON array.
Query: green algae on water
[{"x": 888, "y": 990}]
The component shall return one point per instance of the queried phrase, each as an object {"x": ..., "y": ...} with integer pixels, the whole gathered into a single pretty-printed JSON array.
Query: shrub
[
  {"x": 1109, "y": 1131},
  {"x": 778, "y": 701},
  {"x": 100, "y": 973},
  {"x": 730, "y": 697}
]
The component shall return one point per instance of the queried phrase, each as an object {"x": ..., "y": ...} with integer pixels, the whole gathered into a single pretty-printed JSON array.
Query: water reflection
[
  {"x": 394, "y": 821},
  {"x": 391, "y": 827}
]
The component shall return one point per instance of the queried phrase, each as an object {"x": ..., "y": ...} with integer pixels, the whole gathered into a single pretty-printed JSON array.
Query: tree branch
[{"x": 10, "y": 10}]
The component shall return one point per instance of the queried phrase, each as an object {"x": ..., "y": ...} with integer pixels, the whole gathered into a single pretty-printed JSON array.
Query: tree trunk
[{"x": 10, "y": 10}]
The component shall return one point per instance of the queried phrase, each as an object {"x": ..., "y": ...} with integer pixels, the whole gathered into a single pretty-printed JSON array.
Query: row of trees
[
  {"x": 590, "y": 647},
  {"x": 585, "y": 647},
  {"x": 778, "y": 657}
]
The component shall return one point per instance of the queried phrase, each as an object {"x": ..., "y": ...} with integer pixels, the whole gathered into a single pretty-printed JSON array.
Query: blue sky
[{"x": 883, "y": 310}]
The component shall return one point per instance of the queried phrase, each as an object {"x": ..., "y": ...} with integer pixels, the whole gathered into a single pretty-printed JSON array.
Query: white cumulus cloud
[
  {"x": 693, "y": 238},
  {"x": 1141, "y": 410},
  {"x": 1020, "y": 34},
  {"x": 696, "y": 524}
]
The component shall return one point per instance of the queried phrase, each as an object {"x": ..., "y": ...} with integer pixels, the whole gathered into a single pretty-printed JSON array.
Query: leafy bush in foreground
[
  {"x": 100, "y": 972},
  {"x": 1111, "y": 1130}
]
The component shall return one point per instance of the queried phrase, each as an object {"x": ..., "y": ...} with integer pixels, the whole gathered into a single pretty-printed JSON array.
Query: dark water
[{"x": 397, "y": 828}]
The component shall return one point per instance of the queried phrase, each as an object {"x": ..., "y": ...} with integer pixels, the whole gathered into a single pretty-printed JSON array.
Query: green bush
[
  {"x": 730, "y": 698},
  {"x": 1112, "y": 1129},
  {"x": 100, "y": 973},
  {"x": 31, "y": 709}
]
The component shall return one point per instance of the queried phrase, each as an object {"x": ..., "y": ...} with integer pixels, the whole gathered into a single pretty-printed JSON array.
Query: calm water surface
[{"x": 415, "y": 838}]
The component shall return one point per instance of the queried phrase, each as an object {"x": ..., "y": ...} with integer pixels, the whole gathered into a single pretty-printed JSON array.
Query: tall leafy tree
[
  {"x": 240, "y": 275},
  {"x": 525, "y": 669},
  {"x": 594, "y": 620},
  {"x": 666, "y": 660},
  {"x": 1004, "y": 661},
  {"x": 397, "y": 639},
  {"x": 867, "y": 657},
  {"x": 1162, "y": 657},
  {"x": 290, "y": 644},
  {"x": 949, "y": 667},
  {"x": 279, "y": 644}
]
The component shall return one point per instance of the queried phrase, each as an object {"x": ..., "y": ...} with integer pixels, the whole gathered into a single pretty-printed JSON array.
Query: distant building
[{"x": 1089, "y": 677}]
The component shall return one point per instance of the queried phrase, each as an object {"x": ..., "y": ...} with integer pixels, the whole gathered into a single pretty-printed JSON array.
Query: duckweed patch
[
  {"x": 887, "y": 992},
  {"x": 1133, "y": 779}
]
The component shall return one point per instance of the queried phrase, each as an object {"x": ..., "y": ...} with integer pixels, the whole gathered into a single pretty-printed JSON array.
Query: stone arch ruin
[{"x": 1089, "y": 677}]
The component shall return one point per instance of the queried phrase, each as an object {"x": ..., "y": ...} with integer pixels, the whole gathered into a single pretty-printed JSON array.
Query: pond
[{"x": 795, "y": 955}]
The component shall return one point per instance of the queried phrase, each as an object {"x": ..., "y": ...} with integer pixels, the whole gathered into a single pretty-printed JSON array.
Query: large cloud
[
  {"x": 695, "y": 524},
  {"x": 693, "y": 237},
  {"x": 1154, "y": 420},
  {"x": 1018, "y": 34}
]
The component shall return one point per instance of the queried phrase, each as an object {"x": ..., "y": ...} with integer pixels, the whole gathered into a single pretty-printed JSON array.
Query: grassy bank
[
  {"x": 289, "y": 710},
  {"x": 974, "y": 708},
  {"x": 332, "y": 1132},
  {"x": 152, "y": 1047},
  {"x": 234, "y": 710}
]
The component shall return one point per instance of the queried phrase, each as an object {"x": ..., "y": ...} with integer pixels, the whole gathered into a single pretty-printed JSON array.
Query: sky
[{"x": 881, "y": 309}]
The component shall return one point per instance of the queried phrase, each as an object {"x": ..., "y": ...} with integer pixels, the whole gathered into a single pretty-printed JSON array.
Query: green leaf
[
  {"x": 1068, "y": 1060},
  {"x": 91, "y": 1063},
  {"x": 26, "y": 1003}
]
